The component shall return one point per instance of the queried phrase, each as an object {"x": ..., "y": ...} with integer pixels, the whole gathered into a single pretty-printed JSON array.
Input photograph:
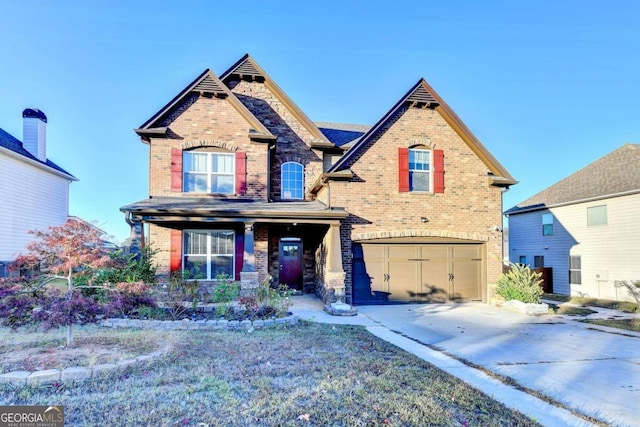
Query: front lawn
[{"x": 308, "y": 375}]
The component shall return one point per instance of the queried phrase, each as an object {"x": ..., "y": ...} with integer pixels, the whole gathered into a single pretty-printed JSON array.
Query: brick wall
[
  {"x": 293, "y": 138},
  {"x": 206, "y": 122},
  {"x": 468, "y": 209}
]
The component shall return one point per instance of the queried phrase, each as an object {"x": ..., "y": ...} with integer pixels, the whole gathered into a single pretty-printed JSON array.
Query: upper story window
[
  {"x": 597, "y": 215},
  {"x": 292, "y": 181},
  {"x": 419, "y": 170},
  {"x": 547, "y": 224},
  {"x": 208, "y": 172}
]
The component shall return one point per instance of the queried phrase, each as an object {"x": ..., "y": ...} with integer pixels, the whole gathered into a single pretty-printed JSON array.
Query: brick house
[{"x": 242, "y": 182}]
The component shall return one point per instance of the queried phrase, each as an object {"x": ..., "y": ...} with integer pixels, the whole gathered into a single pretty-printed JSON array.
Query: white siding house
[
  {"x": 586, "y": 228},
  {"x": 34, "y": 191}
]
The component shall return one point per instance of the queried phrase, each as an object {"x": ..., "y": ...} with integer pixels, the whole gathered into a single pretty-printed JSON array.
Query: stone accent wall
[{"x": 293, "y": 139}]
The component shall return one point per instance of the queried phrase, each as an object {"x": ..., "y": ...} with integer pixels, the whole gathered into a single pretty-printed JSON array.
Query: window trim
[
  {"x": 209, "y": 171},
  {"x": 209, "y": 255},
  {"x": 428, "y": 171},
  {"x": 547, "y": 226},
  {"x": 596, "y": 214},
  {"x": 282, "y": 180},
  {"x": 577, "y": 272}
]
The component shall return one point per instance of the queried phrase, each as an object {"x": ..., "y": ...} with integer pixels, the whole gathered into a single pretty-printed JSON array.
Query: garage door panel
[
  {"x": 402, "y": 281},
  {"x": 375, "y": 259},
  {"x": 421, "y": 272},
  {"x": 466, "y": 280},
  {"x": 434, "y": 281}
]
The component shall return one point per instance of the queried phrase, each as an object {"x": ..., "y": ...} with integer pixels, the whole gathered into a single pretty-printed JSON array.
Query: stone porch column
[
  {"x": 249, "y": 274},
  {"x": 334, "y": 274}
]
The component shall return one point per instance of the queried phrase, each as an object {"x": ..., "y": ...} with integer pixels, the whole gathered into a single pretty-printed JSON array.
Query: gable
[
  {"x": 614, "y": 174},
  {"x": 421, "y": 96},
  {"x": 246, "y": 69},
  {"x": 206, "y": 84}
]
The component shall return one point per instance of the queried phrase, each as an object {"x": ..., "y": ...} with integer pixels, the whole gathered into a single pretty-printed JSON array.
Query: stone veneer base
[{"x": 352, "y": 311}]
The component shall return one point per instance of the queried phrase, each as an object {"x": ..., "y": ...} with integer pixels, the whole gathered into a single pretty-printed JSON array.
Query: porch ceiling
[{"x": 209, "y": 209}]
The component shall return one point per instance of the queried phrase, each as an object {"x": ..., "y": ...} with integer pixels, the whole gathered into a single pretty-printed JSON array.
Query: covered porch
[{"x": 292, "y": 243}]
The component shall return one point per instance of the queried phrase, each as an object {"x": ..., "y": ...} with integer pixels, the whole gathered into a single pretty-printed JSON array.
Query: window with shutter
[{"x": 420, "y": 170}]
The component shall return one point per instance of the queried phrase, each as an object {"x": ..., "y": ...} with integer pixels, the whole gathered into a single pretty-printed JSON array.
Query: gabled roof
[
  {"x": 421, "y": 95},
  {"x": 246, "y": 68},
  {"x": 343, "y": 135},
  {"x": 14, "y": 145},
  {"x": 206, "y": 83},
  {"x": 615, "y": 174}
]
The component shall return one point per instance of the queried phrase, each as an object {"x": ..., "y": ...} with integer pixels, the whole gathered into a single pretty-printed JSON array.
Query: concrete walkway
[{"x": 594, "y": 371}]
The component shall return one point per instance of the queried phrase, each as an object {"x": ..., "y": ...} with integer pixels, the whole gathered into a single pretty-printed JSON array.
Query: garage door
[{"x": 417, "y": 272}]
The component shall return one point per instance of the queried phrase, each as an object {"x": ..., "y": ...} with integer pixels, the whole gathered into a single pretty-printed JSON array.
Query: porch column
[
  {"x": 249, "y": 274},
  {"x": 334, "y": 274},
  {"x": 334, "y": 296}
]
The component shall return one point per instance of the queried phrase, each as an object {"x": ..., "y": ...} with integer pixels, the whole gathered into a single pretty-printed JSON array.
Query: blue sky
[{"x": 548, "y": 86}]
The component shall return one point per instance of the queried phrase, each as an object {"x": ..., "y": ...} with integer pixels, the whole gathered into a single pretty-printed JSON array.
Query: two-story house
[
  {"x": 584, "y": 228},
  {"x": 34, "y": 190},
  {"x": 243, "y": 183}
]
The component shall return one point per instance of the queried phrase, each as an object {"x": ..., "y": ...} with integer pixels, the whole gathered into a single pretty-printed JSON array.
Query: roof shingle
[{"x": 615, "y": 173}]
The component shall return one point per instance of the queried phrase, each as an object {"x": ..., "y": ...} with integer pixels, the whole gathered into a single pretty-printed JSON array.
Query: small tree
[{"x": 59, "y": 253}]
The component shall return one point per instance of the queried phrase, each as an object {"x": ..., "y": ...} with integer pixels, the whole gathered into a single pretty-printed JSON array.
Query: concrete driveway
[{"x": 593, "y": 371}]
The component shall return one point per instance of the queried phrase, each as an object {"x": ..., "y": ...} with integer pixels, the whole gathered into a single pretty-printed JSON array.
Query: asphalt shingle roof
[
  {"x": 615, "y": 173},
  {"x": 342, "y": 133},
  {"x": 11, "y": 143},
  {"x": 205, "y": 206}
]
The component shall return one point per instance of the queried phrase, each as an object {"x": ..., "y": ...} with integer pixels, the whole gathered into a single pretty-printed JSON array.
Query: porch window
[
  {"x": 208, "y": 254},
  {"x": 208, "y": 172},
  {"x": 292, "y": 181}
]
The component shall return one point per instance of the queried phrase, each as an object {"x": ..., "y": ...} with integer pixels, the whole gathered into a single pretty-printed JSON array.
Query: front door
[{"x": 291, "y": 263}]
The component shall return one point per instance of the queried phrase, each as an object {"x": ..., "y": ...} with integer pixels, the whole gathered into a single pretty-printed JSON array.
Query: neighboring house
[
  {"x": 34, "y": 190},
  {"x": 585, "y": 227},
  {"x": 242, "y": 182},
  {"x": 107, "y": 245}
]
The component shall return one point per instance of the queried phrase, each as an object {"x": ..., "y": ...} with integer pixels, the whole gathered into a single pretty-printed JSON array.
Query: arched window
[{"x": 292, "y": 181}]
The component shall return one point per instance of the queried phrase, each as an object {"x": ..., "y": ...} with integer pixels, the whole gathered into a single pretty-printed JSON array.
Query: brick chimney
[{"x": 34, "y": 133}]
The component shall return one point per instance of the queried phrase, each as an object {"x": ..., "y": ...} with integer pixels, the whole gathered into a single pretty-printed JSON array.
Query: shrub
[
  {"x": 226, "y": 290},
  {"x": 520, "y": 283},
  {"x": 633, "y": 289}
]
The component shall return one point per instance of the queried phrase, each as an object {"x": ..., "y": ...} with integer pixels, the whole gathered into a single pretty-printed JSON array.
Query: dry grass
[
  {"x": 626, "y": 324},
  {"x": 628, "y": 307},
  {"x": 570, "y": 310},
  {"x": 31, "y": 349},
  {"x": 308, "y": 375}
]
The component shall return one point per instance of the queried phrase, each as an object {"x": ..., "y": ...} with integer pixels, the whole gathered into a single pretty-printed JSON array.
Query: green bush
[{"x": 520, "y": 283}]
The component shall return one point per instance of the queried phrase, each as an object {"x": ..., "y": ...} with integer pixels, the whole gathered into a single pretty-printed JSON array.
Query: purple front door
[{"x": 291, "y": 263}]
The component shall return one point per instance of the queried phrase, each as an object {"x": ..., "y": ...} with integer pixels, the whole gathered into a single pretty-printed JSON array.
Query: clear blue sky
[{"x": 548, "y": 86}]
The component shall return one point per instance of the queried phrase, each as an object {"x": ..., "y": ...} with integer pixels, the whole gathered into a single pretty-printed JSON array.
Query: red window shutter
[
  {"x": 176, "y": 170},
  {"x": 175, "y": 251},
  {"x": 438, "y": 171},
  {"x": 241, "y": 172},
  {"x": 239, "y": 253},
  {"x": 403, "y": 170}
]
